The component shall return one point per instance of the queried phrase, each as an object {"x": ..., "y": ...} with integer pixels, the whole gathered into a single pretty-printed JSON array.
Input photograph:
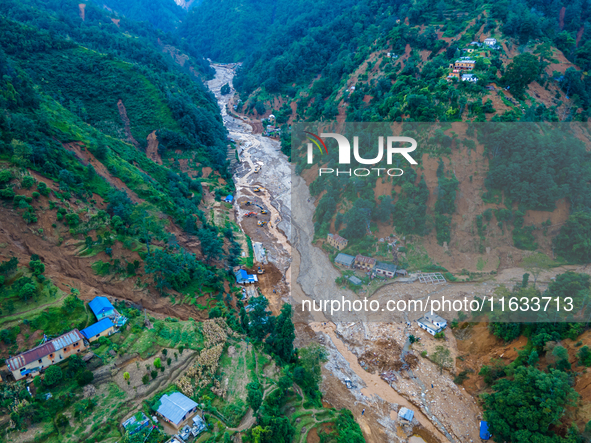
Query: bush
[
  {"x": 461, "y": 377},
  {"x": 53, "y": 375},
  {"x": 27, "y": 182},
  {"x": 154, "y": 374},
  {"x": 145, "y": 379},
  {"x": 84, "y": 377}
]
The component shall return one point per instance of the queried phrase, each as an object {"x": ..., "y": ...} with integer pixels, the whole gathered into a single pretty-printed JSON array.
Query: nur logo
[{"x": 393, "y": 147}]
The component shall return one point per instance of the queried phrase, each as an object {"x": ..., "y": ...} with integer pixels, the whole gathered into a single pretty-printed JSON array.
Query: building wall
[
  {"x": 48, "y": 360},
  {"x": 386, "y": 273},
  {"x": 104, "y": 314},
  {"x": 105, "y": 333}
]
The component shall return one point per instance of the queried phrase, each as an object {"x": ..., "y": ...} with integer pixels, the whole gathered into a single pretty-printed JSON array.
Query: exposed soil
[
  {"x": 152, "y": 149},
  {"x": 125, "y": 119},
  {"x": 86, "y": 157}
]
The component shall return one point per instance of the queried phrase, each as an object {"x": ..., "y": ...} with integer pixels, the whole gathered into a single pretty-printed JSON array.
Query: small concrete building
[
  {"x": 176, "y": 408},
  {"x": 355, "y": 280},
  {"x": 363, "y": 262},
  {"x": 32, "y": 362},
  {"x": 432, "y": 323},
  {"x": 336, "y": 241},
  {"x": 103, "y": 328},
  {"x": 386, "y": 269},
  {"x": 244, "y": 278},
  {"x": 469, "y": 78},
  {"x": 102, "y": 307},
  {"x": 344, "y": 260},
  {"x": 490, "y": 41}
]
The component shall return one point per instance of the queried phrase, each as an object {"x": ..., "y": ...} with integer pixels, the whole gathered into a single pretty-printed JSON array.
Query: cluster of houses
[
  {"x": 463, "y": 64},
  {"x": 33, "y": 362},
  {"x": 459, "y": 68},
  {"x": 271, "y": 130},
  {"x": 368, "y": 264}
]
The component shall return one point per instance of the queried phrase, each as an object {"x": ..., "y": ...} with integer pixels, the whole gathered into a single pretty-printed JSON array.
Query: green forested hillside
[
  {"x": 236, "y": 30},
  {"x": 162, "y": 14}
]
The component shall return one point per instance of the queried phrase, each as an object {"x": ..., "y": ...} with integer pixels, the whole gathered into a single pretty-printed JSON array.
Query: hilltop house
[
  {"x": 432, "y": 323},
  {"x": 385, "y": 269},
  {"x": 102, "y": 307},
  {"x": 32, "y": 362},
  {"x": 344, "y": 260},
  {"x": 490, "y": 41},
  {"x": 336, "y": 241},
  {"x": 469, "y": 78},
  {"x": 363, "y": 262},
  {"x": 175, "y": 408},
  {"x": 103, "y": 328}
]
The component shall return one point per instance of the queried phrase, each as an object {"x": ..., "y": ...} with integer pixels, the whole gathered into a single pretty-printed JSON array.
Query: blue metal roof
[
  {"x": 244, "y": 277},
  {"x": 100, "y": 305},
  {"x": 175, "y": 406},
  {"x": 97, "y": 328},
  {"x": 229, "y": 198},
  {"x": 406, "y": 414},
  {"x": 484, "y": 434}
]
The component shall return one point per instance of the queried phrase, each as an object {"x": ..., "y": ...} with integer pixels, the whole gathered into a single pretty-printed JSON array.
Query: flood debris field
[{"x": 383, "y": 371}]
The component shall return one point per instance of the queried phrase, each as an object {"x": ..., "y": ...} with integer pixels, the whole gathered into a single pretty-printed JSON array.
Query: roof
[
  {"x": 100, "y": 305},
  {"x": 244, "y": 277},
  {"x": 338, "y": 238},
  {"x": 484, "y": 434},
  {"x": 97, "y": 328},
  {"x": 344, "y": 259},
  {"x": 175, "y": 406},
  {"x": 229, "y": 198},
  {"x": 43, "y": 350},
  {"x": 199, "y": 423},
  {"x": 135, "y": 423},
  {"x": 429, "y": 324},
  {"x": 435, "y": 318},
  {"x": 363, "y": 259},
  {"x": 406, "y": 414},
  {"x": 355, "y": 280},
  {"x": 389, "y": 267},
  {"x": 465, "y": 61}
]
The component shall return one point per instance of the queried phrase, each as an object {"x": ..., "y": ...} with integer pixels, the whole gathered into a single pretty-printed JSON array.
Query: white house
[
  {"x": 490, "y": 41},
  {"x": 469, "y": 78},
  {"x": 432, "y": 323}
]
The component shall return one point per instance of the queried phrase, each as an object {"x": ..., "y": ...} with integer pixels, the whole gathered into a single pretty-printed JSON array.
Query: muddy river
[{"x": 307, "y": 270}]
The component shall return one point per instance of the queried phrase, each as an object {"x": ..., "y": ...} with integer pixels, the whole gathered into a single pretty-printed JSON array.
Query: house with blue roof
[
  {"x": 175, "y": 408},
  {"x": 244, "y": 278},
  {"x": 102, "y": 307},
  {"x": 103, "y": 328},
  {"x": 229, "y": 199}
]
